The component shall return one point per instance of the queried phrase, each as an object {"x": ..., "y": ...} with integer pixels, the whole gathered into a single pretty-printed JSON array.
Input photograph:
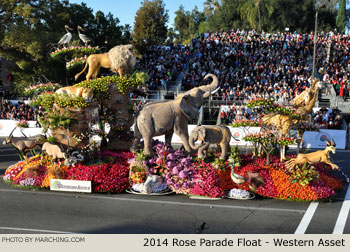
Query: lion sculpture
[
  {"x": 86, "y": 93},
  {"x": 119, "y": 59}
]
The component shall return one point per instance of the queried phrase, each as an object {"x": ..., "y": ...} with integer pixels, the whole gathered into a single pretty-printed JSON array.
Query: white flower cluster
[{"x": 239, "y": 194}]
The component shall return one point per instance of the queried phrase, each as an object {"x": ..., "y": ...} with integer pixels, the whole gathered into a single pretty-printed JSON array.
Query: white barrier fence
[
  {"x": 312, "y": 139},
  {"x": 6, "y": 126}
]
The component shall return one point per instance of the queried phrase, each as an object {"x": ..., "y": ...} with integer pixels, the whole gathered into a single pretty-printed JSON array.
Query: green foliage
[
  {"x": 341, "y": 17},
  {"x": 47, "y": 101},
  {"x": 234, "y": 156},
  {"x": 100, "y": 85},
  {"x": 57, "y": 119},
  {"x": 52, "y": 139},
  {"x": 269, "y": 15},
  {"x": 150, "y": 25},
  {"x": 219, "y": 164},
  {"x": 66, "y": 101},
  {"x": 187, "y": 23},
  {"x": 303, "y": 175}
]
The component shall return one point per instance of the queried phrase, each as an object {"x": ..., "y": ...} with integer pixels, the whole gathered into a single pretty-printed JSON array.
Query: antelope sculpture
[
  {"x": 25, "y": 144},
  {"x": 314, "y": 157}
]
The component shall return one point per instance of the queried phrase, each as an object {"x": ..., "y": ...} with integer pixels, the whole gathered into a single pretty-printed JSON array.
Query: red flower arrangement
[
  {"x": 108, "y": 177},
  {"x": 207, "y": 181}
]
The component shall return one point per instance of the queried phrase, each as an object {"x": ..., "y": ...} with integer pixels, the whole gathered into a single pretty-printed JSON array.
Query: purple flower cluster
[
  {"x": 27, "y": 182},
  {"x": 178, "y": 170}
]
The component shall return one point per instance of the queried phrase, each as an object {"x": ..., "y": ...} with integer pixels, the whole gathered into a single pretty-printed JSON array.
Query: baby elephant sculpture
[{"x": 215, "y": 134}]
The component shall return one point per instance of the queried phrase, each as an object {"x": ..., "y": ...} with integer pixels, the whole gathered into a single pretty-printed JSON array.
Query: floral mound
[
  {"x": 116, "y": 172},
  {"x": 309, "y": 183},
  {"x": 110, "y": 176}
]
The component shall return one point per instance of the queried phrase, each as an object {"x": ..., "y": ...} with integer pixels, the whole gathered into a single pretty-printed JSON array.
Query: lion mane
[{"x": 122, "y": 57}]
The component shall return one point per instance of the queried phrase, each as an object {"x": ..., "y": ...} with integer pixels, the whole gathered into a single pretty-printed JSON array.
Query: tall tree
[
  {"x": 210, "y": 6},
  {"x": 225, "y": 17},
  {"x": 341, "y": 17},
  {"x": 255, "y": 11},
  {"x": 187, "y": 23},
  {"x": 150, "y": 24},
  {"x": 181, "y": 22},
  {"x": 29, "y": 28}
]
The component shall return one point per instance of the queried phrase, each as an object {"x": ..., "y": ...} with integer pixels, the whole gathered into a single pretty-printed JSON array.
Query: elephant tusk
[{"x": 213, "y": 92}]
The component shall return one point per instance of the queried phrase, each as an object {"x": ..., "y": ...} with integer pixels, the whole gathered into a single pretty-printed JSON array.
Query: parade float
[{"x": 79, "y": 147}]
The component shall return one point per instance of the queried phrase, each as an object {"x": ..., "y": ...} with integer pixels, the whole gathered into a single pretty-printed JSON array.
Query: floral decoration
[
  {"x": 23, "y": 124},
  {"x": 76, "y": 62},
  {"x": 246, "y": 123},
  {"x": 85, "y": 50},
  {"x": 38, "y": 89}
]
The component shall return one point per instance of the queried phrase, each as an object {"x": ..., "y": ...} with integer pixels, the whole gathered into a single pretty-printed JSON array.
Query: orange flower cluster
[{"x": 288, "y": 190}]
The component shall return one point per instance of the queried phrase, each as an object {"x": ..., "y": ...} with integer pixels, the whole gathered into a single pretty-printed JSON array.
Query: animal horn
[
  {"x": 333, "y": 141},
  {"x": 13, "y": 131}
]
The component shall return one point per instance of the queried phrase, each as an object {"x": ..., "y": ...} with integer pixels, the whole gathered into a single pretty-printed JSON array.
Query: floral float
[{"x": 117, "y": 171}]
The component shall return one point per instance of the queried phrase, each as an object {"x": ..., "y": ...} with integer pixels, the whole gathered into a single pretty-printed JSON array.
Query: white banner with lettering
[{"x": 6, "y": 126}]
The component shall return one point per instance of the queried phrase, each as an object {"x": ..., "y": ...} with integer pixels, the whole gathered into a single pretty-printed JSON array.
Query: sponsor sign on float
[{"x": 70, "y": 185}]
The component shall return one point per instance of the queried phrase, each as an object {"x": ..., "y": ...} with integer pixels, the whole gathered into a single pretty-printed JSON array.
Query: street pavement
[{"x": 43, "y": 211}]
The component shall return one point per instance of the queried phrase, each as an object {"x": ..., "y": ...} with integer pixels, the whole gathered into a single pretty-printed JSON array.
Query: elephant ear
[
  {"x": 202, "y": 131},
  {"x": 194, "y": 134},
  {"x": 188, "y": 108}
]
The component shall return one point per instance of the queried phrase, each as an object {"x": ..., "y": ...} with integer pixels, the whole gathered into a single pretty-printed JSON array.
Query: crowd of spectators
[
  {"x": 18, "y": 111},
  {"x": 334, "y": 61},
  {"x": 164, "y": 63},
  {"x": 240, "y": 112},
  {"x": 324, "y": 118},
  {"x": 328, "y": 118},
  {"x": 251, "y": 65}
]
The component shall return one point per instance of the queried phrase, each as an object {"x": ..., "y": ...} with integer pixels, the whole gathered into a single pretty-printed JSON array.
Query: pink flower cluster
[{"x": 207, "y": 181}]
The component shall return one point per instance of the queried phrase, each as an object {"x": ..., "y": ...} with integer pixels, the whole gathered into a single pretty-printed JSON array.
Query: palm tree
[
  {"x": 210, "y": 6},
  {"x": 252, "y": 10}
]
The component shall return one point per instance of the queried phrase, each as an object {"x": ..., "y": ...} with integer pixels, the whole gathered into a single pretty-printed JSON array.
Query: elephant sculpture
[
  {"x": 166, "y": 117},
  {"x": 212, "y": 134}
]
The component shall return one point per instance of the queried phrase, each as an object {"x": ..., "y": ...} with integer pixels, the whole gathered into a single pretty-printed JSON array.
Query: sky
[{"x": 125, "y": 10}]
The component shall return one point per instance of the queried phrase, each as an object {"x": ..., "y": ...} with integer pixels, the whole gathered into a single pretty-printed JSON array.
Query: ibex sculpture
[
  {"x": 321, "y": 156},
  {"x": 25, "y": 144}
]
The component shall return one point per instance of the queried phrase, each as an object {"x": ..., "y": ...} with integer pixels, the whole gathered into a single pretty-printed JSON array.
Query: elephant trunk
[
  {"x": 192, "y": 139},
  {"x": 211, "y": 87}
]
